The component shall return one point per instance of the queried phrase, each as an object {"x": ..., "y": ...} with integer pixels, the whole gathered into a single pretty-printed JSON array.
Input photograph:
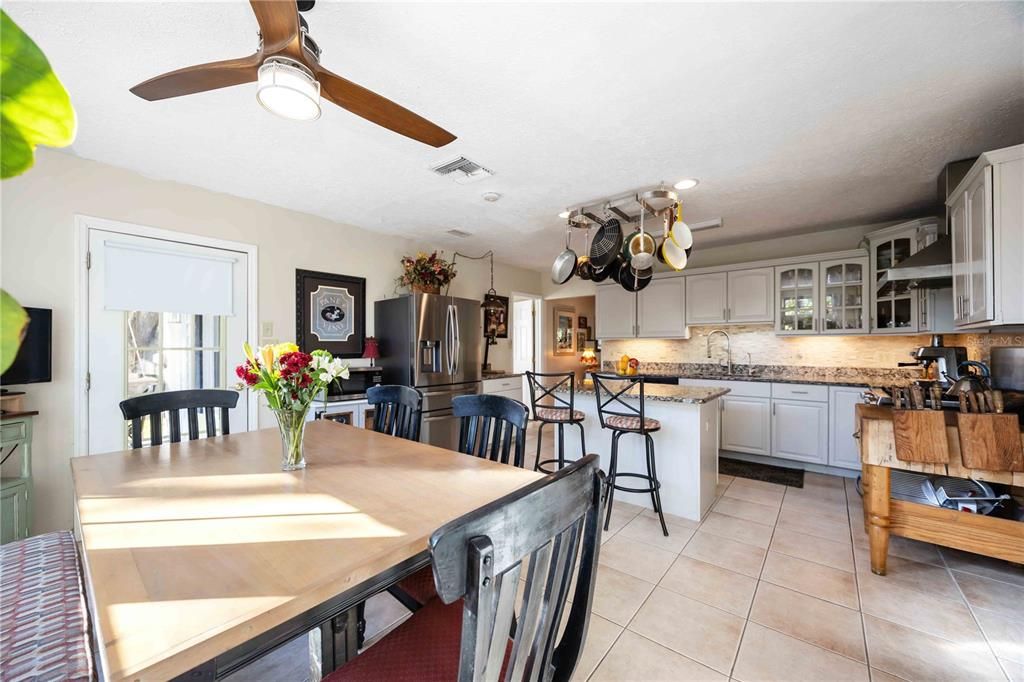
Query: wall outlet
[{"x": 266, "y": 329}]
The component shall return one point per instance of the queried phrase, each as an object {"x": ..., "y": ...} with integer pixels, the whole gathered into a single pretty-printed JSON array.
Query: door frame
[
  {"x": 538, "y": 336},
  {"x": 84, "y": 223}
]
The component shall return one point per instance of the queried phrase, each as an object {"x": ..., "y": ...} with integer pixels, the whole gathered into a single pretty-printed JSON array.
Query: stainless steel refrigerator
[{"x": 434, "y": 343}]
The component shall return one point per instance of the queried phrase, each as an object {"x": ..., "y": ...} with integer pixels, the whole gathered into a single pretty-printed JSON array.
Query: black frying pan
[
  {"x": 610, "y": 271},
  {"x": 607, "y": 244},
  {"x": 634, "y": 280}
]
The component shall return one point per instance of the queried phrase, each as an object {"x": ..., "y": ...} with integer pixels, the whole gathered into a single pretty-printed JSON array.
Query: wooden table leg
[{"x": 877, "y": 491}]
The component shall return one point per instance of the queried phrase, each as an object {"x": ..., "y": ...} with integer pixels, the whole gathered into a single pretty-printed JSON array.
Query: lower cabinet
[
  {"x": 843, "y": 447},
  {"x": 746, "y": 424},
  {"x": 14, "y": 511},
  {"x": 800, "y": 430}
]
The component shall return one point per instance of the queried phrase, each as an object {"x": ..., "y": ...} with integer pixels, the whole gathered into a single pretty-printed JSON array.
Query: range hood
[{"x": 929, "y": 268}]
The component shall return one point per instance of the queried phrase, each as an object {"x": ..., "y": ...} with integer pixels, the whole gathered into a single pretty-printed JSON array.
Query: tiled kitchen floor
[{"x": 775, "y": 585}]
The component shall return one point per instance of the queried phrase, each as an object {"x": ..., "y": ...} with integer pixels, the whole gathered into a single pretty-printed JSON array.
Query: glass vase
[{"x": 292, "y": 424}]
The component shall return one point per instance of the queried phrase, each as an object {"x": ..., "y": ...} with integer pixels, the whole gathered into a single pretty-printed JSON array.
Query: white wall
[
  {"x": 39, "y": 269},
  {"x": 581, "y": 306}
]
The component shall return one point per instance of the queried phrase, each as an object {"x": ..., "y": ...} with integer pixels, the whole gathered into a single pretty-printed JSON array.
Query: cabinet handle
[
  {"x": 773, "y": 409},
  {"x": 799, "y": 392},
  {"x": 725, "y": 314},
  {"x": 814, "y": 322}
]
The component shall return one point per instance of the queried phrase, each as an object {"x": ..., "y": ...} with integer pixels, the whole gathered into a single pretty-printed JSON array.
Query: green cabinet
[{"x": 16, "y": 490}]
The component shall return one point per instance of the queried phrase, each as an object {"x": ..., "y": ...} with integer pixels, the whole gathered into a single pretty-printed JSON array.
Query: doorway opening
[{"x": 525, "y": 332}]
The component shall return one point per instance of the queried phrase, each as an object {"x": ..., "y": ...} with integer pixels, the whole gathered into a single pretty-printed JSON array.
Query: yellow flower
[
  {"x": 248, "y": 353},
  {"x": 267, "y": 354},
  {"x": 282, "y": 348}
]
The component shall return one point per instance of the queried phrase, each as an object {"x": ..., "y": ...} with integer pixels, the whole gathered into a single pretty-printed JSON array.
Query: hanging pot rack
[{"x": 626, "y": 207}]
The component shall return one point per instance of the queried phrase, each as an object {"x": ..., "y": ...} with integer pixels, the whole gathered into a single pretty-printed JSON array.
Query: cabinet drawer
[
  {"x": 812, "y": 392},
  {"x": 12, "y": 432},
  {"x": 498, "y": 385}
]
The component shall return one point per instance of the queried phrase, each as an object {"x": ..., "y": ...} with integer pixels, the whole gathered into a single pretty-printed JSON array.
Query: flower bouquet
[
  {"x": 426, "y": 273},
  {"x": 289, "y": 379}
]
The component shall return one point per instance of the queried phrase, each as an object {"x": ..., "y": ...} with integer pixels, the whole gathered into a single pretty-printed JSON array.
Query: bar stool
[
  {"x": 560, "y": 411},
  {"x": 622, "y": 417}
]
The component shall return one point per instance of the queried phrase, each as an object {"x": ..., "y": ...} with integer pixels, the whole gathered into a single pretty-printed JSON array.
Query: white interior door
[{"x": 163, "y": 316}]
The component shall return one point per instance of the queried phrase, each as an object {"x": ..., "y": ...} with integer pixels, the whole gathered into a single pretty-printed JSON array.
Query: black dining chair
[
  {"x": 623, "y": 417},
  {"x": 480, "y": 628},
  {"x": 492, "y": 427},
  {"x": 398, "y": 410},
  {"x": 550, "y": 406},
  {"x": 153, "y": 405}
]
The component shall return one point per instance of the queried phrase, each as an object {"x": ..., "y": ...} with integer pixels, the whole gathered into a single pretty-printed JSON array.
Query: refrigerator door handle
[
  {"x": 448, "y": 349},
  {"x": 457, "y": 340}
]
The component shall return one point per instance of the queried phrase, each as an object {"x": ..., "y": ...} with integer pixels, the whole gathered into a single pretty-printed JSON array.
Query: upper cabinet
[
  {"x": 750, "y": 296},
  {"x": 894, "y": 304},
  {"x": 843, "y": 286},
  {"x": 657, "y": 312},
  {"x": 660, "y": 309},
  {"x": 733, "y": 297},
  {"x": 798, "y": 298},
  {"x": 987, "y": 224},
  {"x": 706, "y": 298}
]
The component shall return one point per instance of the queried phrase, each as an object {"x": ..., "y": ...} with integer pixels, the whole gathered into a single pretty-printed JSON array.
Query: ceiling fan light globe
[
  {"x": 682, "y": 234},
  {"x": 287, "y": 89}
]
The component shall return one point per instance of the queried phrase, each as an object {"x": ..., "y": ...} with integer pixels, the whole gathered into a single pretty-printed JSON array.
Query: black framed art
[
  {"x": 496, "y": 321},
  {"x": 330, "y": 313}
]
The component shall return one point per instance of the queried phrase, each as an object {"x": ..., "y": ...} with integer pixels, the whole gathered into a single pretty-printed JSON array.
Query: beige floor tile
[
  {"x": 671, "y": 519},
  {"x": 772, "y": 657},
  {"x": 919, "y": 610},
  {"x": 710, "y": 584},
  {"x": 905, "y": 548},
  {"x": 984, "y": 566},
  {"x": 601, "y": 635},
  {"x": 813, "y": 479},
  {"x": 993, "y": 595},
  {"x": 821, "y": 551},
  {"x": 618, "y": 596},
  {"x": 636, "y": 558},
  {"x": 1014, "y": 671},
  {"x": 813, "y": 620},
  {"x": 740, "y": 530},
  {"x": 720, "y": 489},
  {"x": 751, "y": 511},
  {"x": 835, "y": 496},
  {"x": 725, "y": 479},
  {"x": 816, "y": 525},
  {"x": 647, "y": 529},
  {"x": 803, "y": 507},
  {"x": 756, "y": 491},
  {"x": 914, "y": 655},
  {"x": 620, "y": 517},
  {"x": 1006, "y": 635},
  {"x": 636, "y": 659},
  {"x": 807, "y": 577},
  {"x": 707, "y": 635},
  {"x": 882, "y": 676},
  {"x": 913, "y": 574},
  {"x": 735, "y": 556}
]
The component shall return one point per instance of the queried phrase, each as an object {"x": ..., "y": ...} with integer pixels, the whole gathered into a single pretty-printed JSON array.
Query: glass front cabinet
[
  {"x": 844, "y": 296},
  {"x": 797, "y": 298},
  {"x": 895, "y": 307}
]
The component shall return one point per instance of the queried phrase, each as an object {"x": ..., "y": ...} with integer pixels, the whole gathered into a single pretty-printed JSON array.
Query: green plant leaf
[
  {"x": 34, "y": 106},
  {"x": 13, "y": 321}
]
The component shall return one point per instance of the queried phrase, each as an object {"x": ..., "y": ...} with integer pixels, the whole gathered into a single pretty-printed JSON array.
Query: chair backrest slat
[
  {"x": 398, "y": 410},
  {"x": 556, "y": 524},
  {"x": 551, "y": 385},
  {"x": 611, "y": 390},
  {"x": 153, "y": 405},
  {"x": 492, "y": 427}
]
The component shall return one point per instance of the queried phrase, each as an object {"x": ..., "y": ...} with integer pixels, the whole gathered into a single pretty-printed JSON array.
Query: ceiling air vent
[
  {"x": 462, "y": 170},
  {"x": 461, "y": 234}
]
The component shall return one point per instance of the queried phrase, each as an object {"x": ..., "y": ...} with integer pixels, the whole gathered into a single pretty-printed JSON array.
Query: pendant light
[
  {"x": 681, "y": 233},
  {"x": 491, "y": 300}
]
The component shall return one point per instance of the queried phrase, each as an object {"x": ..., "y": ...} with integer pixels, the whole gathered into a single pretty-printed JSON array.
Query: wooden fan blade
[
  {"x": 279, "y": 23},
  {"x": 380, "y": 110},
  {"x": 200, "y": 78}
]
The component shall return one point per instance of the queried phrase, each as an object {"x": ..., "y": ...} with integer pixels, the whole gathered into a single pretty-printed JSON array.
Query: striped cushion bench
[{"x": 43, "y": 620}]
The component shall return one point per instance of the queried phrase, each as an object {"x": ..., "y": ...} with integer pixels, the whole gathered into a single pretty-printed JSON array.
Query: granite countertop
[
  {"x": 827, "y": 376},
  {"x": 499, "y": 375},
  {"x": 662, "y": 393}
]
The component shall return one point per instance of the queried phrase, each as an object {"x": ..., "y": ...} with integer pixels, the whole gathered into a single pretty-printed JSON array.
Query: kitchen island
[{"x": 685, "y": 449}]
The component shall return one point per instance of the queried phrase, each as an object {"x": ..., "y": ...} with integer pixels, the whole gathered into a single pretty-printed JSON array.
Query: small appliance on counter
[
  {"x": 940, "y": 363},
  {"x": 354, "y": 388}
]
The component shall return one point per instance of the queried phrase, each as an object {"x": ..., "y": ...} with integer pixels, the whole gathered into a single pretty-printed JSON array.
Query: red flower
[{"x": 246, "y": 374}]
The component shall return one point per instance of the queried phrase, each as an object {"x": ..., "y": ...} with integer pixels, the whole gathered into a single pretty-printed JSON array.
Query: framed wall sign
[
  {"x": 496, "y": 321},
  {"x": 564, "y": 340},
  {"x": 330, "y": 313}
]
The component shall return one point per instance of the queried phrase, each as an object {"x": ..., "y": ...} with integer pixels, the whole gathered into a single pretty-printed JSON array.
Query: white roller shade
[{"x": 166, "y": 280}]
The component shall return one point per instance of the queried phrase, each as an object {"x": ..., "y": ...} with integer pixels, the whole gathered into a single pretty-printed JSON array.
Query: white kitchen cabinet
[
  {"x": 893, "y": 303},
  {"x": 800, "y": 430},
  {"x": 843, "y": 447},
  {"x": 750, "y": 296},
  {"x": 707, "y": 298},
  {"x": 661, "y": 309},
  {"x": 842, "y": 286},
  {"x": 746, "y": 424},
  {"x": 797, "y": 287},
  {"x": 507, "y": 387},
  {"x": 615, "y": 313},
  {"x": 987, "y": 224}
]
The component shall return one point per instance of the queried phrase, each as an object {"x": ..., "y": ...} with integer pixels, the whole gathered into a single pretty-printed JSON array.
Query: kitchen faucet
[{"x": 728, "y": 346}]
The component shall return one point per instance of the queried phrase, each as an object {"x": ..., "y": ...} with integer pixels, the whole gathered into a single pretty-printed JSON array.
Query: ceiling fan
[{"x": 291, "y": 80}]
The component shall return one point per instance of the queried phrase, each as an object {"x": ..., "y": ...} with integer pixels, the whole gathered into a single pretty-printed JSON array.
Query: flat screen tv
[{"x": 32, "y": 364}]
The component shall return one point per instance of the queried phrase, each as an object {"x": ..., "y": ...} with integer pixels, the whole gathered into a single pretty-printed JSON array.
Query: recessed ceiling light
[
  {"x": 687, "y": 183},
  {"x": 563, "y": 215},
  {"x": 491, "y": 196}
]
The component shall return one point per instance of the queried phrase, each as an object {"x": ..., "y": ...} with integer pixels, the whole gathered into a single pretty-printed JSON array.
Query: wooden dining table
[{"x": 202, "y": 556}]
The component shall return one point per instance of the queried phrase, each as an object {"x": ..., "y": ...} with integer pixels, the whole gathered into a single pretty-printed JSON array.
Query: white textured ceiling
[{"x": 793, "y": 116}]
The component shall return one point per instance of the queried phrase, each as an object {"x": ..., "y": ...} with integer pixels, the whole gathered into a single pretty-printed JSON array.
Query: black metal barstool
[
  {"x": 559, "y": 411},
  {"x": 623, "y": 417}
]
